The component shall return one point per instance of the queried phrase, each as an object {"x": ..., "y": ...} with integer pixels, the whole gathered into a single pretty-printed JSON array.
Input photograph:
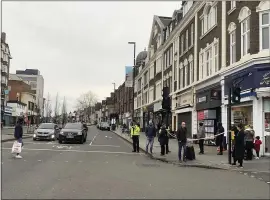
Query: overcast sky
[{"x": 79, "y": 46}]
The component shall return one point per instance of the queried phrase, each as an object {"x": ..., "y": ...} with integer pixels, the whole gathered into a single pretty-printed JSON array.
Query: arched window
[
  {"x": 244, "y": 19},
  {"x": 264, "y": 22},
  {"x": 209, "y": 17},
  {"x": 191, "y": 69},
  {"x": 232, "y": 33}
]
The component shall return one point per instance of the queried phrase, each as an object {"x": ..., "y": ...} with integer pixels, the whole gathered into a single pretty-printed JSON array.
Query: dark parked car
[
  {"x": 76, "y": 132},
  {"x": 46, "y": 131}
]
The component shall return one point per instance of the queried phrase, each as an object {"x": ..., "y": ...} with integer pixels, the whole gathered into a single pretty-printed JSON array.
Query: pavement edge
[
  {"x": 13, "y": 139},
  {"x": 204, "y": 166}
]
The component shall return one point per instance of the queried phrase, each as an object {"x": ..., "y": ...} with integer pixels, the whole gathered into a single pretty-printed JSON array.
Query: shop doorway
[
  {"x": 187, "y": 118},
  {"x": 266, "y": 133}
]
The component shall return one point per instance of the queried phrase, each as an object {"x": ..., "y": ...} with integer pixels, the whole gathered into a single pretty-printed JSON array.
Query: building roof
[
  {"x": 15, "y": 77},
  {"x": 141, "y": 57},
  {"x": 165, "y": 20}
]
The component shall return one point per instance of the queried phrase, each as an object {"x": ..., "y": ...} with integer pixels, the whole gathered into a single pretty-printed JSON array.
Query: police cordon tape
[{"x": 206, "y": 138}]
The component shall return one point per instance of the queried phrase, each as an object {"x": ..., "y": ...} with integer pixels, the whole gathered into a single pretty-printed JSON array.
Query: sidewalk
[
  {"x": 7, "y": 133},
  {"x": 208, "y": 160}
]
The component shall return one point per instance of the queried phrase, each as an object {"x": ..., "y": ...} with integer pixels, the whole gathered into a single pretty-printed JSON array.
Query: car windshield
[
  {"x": 73, "y": 126},
  {"x": 46, "y": 126},
  {"x": 105, "y": 124}
]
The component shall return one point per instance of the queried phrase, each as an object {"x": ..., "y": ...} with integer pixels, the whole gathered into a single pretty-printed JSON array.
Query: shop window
[
  {"x": 243, "y": 115},
  {"x": 264, "y": 21}
]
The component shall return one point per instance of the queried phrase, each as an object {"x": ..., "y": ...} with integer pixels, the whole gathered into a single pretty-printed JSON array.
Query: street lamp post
[{"x": 133, "y": 78}]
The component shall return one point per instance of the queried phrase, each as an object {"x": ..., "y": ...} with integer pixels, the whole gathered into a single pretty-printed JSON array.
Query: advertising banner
[{"x": 129, "y": 76}]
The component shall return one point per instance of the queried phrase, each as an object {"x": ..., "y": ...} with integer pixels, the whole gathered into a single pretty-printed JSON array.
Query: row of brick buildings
[{"x": 196, "y": 53}]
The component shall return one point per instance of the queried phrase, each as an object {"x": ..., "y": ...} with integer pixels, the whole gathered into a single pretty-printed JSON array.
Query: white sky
[{"x": 79, "y": 46}]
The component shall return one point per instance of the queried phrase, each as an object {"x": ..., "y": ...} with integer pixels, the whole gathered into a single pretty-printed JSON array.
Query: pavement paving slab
[{"x": 98, "y": 171}]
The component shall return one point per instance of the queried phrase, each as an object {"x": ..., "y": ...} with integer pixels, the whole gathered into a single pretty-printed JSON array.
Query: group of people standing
[{"x": 242, "y": 143}]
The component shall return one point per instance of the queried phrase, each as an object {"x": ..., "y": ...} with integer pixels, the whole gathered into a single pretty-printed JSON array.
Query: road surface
[{"x": 105, "y": 167}]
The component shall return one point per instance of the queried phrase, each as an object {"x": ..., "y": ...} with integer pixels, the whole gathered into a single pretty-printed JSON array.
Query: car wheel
[
  {"x": 34, "y": 139},
  {"x": 60, "y": 141},
  {"x": 82, "y": 140}
]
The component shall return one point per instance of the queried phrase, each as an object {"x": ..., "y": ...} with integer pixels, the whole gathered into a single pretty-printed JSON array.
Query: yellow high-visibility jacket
[{"x": 135, "y": 130}]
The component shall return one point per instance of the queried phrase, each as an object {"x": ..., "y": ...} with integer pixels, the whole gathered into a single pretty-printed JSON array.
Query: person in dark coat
[
  {"x": 239, "y": 146},
  {"x": 18, "y": 133},
  {"x": 220, "y": 138},
  {"x": 181, "y": 135},
  {"x": 162, "y": 138}
]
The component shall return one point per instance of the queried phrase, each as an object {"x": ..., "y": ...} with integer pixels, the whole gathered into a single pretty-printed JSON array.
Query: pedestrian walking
[
  {"x": 150, "y": 133},
  {"x": 201, "y": 135},
  {"x": 162, "y": 138},
  {"x": 249, "y": 139},
  {"x": 257, "y": 146},
  {"x": 220, "y": 138},
  {"x": 18, "y": 134},
  {"x": 239, "y": 146},
  {"x": 181, "y": 135},
  {"x": 167, "y": 140},
  {"x": 135, "y": 135}
]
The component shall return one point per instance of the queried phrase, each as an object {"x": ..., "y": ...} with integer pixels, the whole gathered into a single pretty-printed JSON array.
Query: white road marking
[
  {"x": 93, "y": 139},
  {"x": 39, "y": 160},
  {"x": 101, "y": 145},
  {"x": 108, "y": 137},
  {"x": 78, "y": 151}
]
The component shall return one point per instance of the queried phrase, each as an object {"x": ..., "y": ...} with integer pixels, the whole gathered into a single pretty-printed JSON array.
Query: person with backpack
[{"x": 162, "y": 138}]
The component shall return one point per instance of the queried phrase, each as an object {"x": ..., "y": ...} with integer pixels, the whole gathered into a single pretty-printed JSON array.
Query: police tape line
[{"x": 206, "y": 138}]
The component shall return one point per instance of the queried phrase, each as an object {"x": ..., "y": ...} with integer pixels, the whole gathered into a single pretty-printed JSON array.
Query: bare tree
[
  {"x": 64, "y": 111},
  {"x": 48, "y": 108},
  {"x": 56, "y": 108},
  {"x": 85, "y": 102}
]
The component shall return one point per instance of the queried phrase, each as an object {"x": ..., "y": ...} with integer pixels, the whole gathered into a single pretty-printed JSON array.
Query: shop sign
[
  {"x": 201, "y": 99},
  {"x": 200, "y": 115},
  {"x": 8, "y": 109},
  {"x": 157, "y": 106},
  {"x": 266, "y": 79},
  {"x": 185, "y": 99}
]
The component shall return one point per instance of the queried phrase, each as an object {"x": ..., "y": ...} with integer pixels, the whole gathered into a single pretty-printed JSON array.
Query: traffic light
[
  {"x": 236, "y": 95},
  {"x": 166, "y": 100}
]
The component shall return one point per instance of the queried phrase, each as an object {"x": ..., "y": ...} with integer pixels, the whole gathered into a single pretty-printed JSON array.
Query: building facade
[
  {"x": 5, "y": 68},
  {"x": 195, "y": 53},
  {"x": 36, "y": 81},
  {"x": 21, "y": 93}
]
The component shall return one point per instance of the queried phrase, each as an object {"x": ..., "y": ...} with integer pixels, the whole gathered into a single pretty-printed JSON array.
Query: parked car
[
  {"x": 76, "y": 132},
  {"x": 105, "y": 126},
  {"x": 46, "y": 131}
]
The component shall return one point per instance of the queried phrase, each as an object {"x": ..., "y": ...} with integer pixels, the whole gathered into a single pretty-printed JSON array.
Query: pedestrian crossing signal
[{"x": 236, "y": 95}]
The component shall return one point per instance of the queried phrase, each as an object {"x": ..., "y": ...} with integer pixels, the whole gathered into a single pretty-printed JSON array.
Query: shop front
[
  {"x": 158, "y": 112},
  {"x": 208, "y": 107},
  {"x": 254, "y": 107},
  {"x": 183, "y": 111},
  {"x": 8, "y": 115},
  {"x": 266, "y": 132}
]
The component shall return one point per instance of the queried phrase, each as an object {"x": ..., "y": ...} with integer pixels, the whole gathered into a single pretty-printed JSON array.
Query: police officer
[{"x": 135, "y": 134}]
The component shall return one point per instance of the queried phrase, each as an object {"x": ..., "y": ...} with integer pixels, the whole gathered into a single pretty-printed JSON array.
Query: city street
[{"x": 105, "y": 167}]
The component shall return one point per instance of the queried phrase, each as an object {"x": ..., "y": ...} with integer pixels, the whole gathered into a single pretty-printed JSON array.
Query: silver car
[{"x": 46, "y": 131}]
